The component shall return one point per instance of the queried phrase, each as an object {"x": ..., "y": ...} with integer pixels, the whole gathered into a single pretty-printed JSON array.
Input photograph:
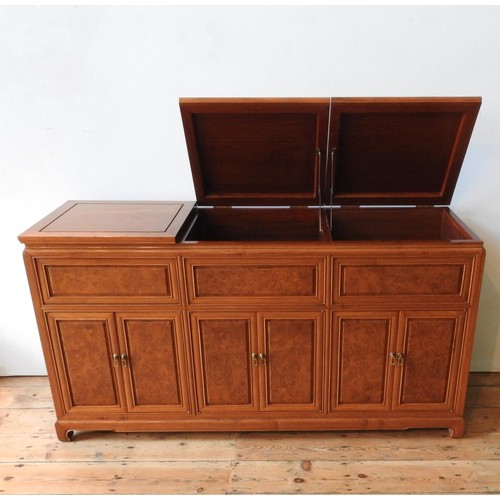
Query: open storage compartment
[
  {"x": 257, "y": 168},
  {"x": 398, "y": 224},
  {"x": 257, "y": 224},
  {"x": 340, "y": 169}
]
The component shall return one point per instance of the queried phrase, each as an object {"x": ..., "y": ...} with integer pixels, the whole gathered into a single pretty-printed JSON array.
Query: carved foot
[
  {"x": 63, "y": 434},
  {"x": 457, "y": 431}
]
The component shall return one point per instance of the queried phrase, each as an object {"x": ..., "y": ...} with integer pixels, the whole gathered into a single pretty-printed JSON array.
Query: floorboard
[{"x": 33, "y": 461}]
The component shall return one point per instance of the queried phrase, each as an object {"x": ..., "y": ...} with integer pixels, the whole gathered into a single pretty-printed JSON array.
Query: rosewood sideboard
[{"x": 319, "y": 282}]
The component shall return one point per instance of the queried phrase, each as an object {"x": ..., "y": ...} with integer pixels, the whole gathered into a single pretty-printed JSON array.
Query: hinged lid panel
[
  {"x": 399, "y": 151},
  {"x": 256, "y": 151}
]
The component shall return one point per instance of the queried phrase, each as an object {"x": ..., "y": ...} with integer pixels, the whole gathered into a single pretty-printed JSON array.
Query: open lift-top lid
[
  {"x": 255, "y": 151},
  {"x": 322, "y": 151}
]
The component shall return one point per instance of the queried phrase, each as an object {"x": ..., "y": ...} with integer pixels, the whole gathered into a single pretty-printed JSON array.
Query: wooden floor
[{"x": 32, "y": 460}]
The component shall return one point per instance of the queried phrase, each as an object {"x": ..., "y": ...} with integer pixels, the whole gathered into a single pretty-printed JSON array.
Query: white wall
[{"x": 89, "y": 109}]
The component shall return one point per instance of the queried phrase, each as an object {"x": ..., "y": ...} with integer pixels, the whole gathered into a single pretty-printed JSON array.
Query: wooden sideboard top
[{"x": 112, "y": 219}]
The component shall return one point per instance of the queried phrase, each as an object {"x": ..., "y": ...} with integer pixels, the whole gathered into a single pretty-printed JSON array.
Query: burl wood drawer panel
[
  {"x": 406, "y": 280},
  {"x": 78, "y": 281},
  {"x": 256, "y": 281}
]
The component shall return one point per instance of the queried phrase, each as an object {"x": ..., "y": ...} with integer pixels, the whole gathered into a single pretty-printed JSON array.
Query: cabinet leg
[
  {"x": 457, "y": 431},
  {"x": 63, "y": 434}
]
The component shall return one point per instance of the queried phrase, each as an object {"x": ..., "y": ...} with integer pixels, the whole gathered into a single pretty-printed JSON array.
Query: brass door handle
[
  {"x": 117, "y": 358},
  {"x": 401, "y": 359},
  {"x": 396, "y": 358},
  {"x": 255, "y": 358}
]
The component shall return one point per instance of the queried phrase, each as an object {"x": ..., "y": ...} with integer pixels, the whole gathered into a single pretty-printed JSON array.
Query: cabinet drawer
[
  {"x": 103, "y": 281},
  {"x": 264, "y": 281},
  {"x": 402, "y": 279}
]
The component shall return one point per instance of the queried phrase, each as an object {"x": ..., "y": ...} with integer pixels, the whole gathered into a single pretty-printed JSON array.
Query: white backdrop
[{"x": 89, "y": 109}]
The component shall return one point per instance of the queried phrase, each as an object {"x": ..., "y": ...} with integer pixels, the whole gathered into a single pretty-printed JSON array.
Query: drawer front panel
[
  {"x": 404, "y": 280},
  {"x": 98, "y": 281},
  {"x": 256, "y": 281}
]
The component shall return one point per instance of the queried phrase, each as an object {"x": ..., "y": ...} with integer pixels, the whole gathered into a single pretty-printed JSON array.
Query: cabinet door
[
  {"x": 361, "y": 360},
  {"x": 153, "y": 362},
  {"x": 291, "y": 361},
  {"x": 84, "y": 346},
  {"x": 223, "y": 344},
  {"x": 429, "y": 353}
]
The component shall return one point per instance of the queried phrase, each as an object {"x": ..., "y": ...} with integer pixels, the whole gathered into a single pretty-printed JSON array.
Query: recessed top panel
[
  {"x": 116, "y": 217},
  {"x": 399, "y": 151},
  {"x": 255, "y": 151}
]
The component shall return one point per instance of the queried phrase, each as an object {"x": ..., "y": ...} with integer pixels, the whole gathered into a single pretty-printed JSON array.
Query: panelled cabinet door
[
  {"x": 362, "y": 358},
  {"x": 85, "y": 352},
  {"x": 152, "y": 358},
  {"x": 291, "y": 361},
  {"x": 225, "y": 358},
  {"x": 429, "y": 351}
]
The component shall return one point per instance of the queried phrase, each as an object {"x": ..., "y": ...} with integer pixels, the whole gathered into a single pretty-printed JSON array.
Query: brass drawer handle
[{"x": 392, "y": 358}]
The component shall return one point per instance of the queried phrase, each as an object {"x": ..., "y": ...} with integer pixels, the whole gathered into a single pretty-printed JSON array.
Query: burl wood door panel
[
  {"x": 84, "y": 345},
  {"x": 361, "y": 358},
  {"x": 155, "y": 367},
  {"x": 430, "y": 346},
  {"x": 223, "y": 345},
  {"x": 291, "y": 366}
]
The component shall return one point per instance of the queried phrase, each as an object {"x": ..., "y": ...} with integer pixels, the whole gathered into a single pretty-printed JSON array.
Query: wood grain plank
[
  {"x": 24, "y": 381},
  {"x": 32, "y": 460},
  {"x": 99, "y": 478},
  {"x": 329, "y": 477},
  {"x": 116, "y": 447},
  {"x": 484, "y": 378},
  {"x": 482, "y": 396},
  {"x": 25, "y": 397},
  {"x": 374, "y": 446},
  {"x": 482, "y": 420},
  {"x": 26, "y": 421}
]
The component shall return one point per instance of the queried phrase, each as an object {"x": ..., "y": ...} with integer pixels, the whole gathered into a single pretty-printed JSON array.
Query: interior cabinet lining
[{"x": 299, "y": 224}]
